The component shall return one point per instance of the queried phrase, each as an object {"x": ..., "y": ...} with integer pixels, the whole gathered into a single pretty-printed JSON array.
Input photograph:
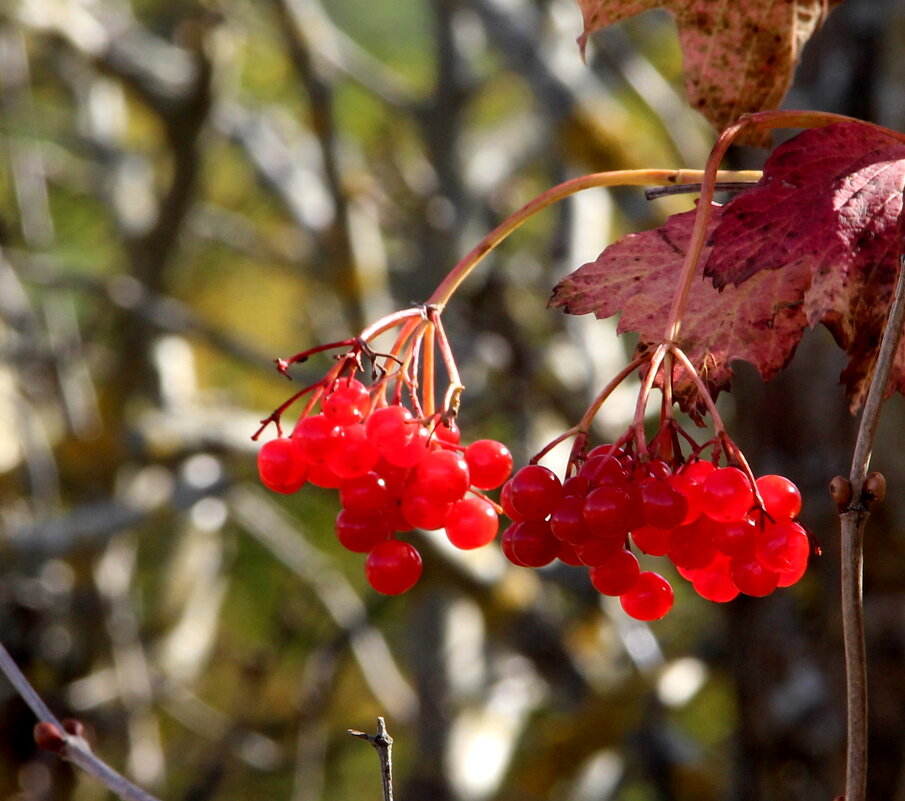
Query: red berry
[
  {"x": 653, "y": 541},
  {"x": 506, "y": 544},
  {"x": 533, "y": 544},
  {"x": 321, "y": 475},
  {"x": 319, "y": 438},
  {"x": 736, "y": 538},
  {"x": 443, "y": 476},
  {"x": 534, "y": 492},
  {"x": 690, "y": 489},
  {"x": 422, "y": 511},
  {"x": 448, "y": 433},
  {"x": 364, "y": 494},
  {"x": 360, "y": 533},
  {"x": 662, "y": 504},
  {"x": 347, "y": 402},
  {"x": 790, "y": 577},
  {"x": 471, "y": 523},
  {"x": 393, "y": 567},
  {"x": 597, "y": 550},
  {"x": 691, "y": 546},
  {"x": 783, "y": 547},
  {"x": 606, "y": 510},
  {"x": 655, "y": 468},
  {"x": 752, "y": 578},
  {"x": 727, "y": 495},
  {"x": 714, "y": 582},
  {"x": 649, "y": 599},
  {"x": 567, "y": 521},
  {"x": 355, "y": 456},
  {"x": 390, "y": 428},
  {"x": 576, "y": 485},
  {"x": 394, "y": 476},
  {"x": 617, "y": 575},
  {"x": 489, "y": 463},
  {"x": 698, "y": 470},
  {"x": 506, "y": 503},
  {"x": 282, "y": 466},
  {"x": 602, "y": 468},
  {"x": 567, "y": 555},
  {"x": 782, "y": 500},
  {"x": 413, "y": 452}
]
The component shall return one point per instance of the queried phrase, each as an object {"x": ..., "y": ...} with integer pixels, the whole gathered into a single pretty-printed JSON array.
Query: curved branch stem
[{"x": 463, "y": 269}]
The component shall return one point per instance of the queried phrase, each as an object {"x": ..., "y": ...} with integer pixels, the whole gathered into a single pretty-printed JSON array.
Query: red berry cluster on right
[{"x": 724, "y": 534}]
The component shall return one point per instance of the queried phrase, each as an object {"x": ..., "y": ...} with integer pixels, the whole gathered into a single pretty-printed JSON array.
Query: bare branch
[
  {"x": 56, "y": 737},
  {"x": 383, "y": 744},
  {"x": 853, "y": 522}
]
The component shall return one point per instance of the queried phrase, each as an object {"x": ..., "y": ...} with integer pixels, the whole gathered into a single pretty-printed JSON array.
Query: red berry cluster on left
[{"x": 394, "y": 473}]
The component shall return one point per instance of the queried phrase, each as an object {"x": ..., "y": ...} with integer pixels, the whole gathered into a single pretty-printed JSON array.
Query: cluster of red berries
[
  {"x": 723, "y": 533},
  {"x": 394, "y": 473}
]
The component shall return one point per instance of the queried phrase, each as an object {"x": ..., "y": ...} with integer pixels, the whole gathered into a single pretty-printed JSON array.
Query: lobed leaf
[
  {"x": 760, "y": 321},
  {"x": 817, "y": 240},
  {"x": 829, "y": 205}
]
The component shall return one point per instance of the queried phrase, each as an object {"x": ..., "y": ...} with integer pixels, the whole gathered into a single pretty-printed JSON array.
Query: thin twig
[
  {"x": 70, "y": 747},
  {"x": 26, "y": 691},
  {"x": 852, "y": 523},
  {"x": 723, "y": 186},
  {"x": 383, "y": 744}
]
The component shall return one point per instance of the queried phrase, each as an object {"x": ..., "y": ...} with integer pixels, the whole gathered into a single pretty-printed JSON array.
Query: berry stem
[
  {"x": 283, "y": 365},
  {"x": 276, "y": 414},
  {"x": 428, "y": 391},
  {"x": 719, "y": 427},
  {"x": 463, "y": 269},
  {"x": 454, "y": 391},
  {"x": 656, "y": 360},
  {"x": 584, "y": 424},
  {"x": 407, "y": 316}
]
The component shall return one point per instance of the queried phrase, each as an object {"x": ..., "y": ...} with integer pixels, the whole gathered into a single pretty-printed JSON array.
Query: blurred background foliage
[{"x": 188, "y": 190}]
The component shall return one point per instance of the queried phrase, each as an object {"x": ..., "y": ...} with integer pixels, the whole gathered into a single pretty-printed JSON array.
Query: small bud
[
  {"x": 74, "y": 727},
  {"x": 841, "y": 491},
  {"x": 49, "y": 737},
  {"x": 875, "y": 487}
]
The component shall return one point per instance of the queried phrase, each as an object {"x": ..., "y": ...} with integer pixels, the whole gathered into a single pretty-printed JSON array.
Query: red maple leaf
[
  {"x": 828, "y": 206},
  {"x": 760, "y": 321},
  {"x": 739, "y": 56}
]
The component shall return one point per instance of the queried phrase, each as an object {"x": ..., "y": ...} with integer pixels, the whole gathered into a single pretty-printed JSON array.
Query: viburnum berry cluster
[
  {"x": 392, "y": 450},
  {"x": 396, "y": 468},
  {"x": 723, "y": 530},
  {"x": 704, "y": 518}
]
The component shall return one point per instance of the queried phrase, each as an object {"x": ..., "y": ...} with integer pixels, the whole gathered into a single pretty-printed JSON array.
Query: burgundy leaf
[
  {"x": 828, "y": 204},
  {"x": 760, "y": 321}
]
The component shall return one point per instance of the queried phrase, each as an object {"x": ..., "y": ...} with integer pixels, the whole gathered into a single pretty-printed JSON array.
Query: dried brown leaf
[{"x": 739, "y": 57}]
